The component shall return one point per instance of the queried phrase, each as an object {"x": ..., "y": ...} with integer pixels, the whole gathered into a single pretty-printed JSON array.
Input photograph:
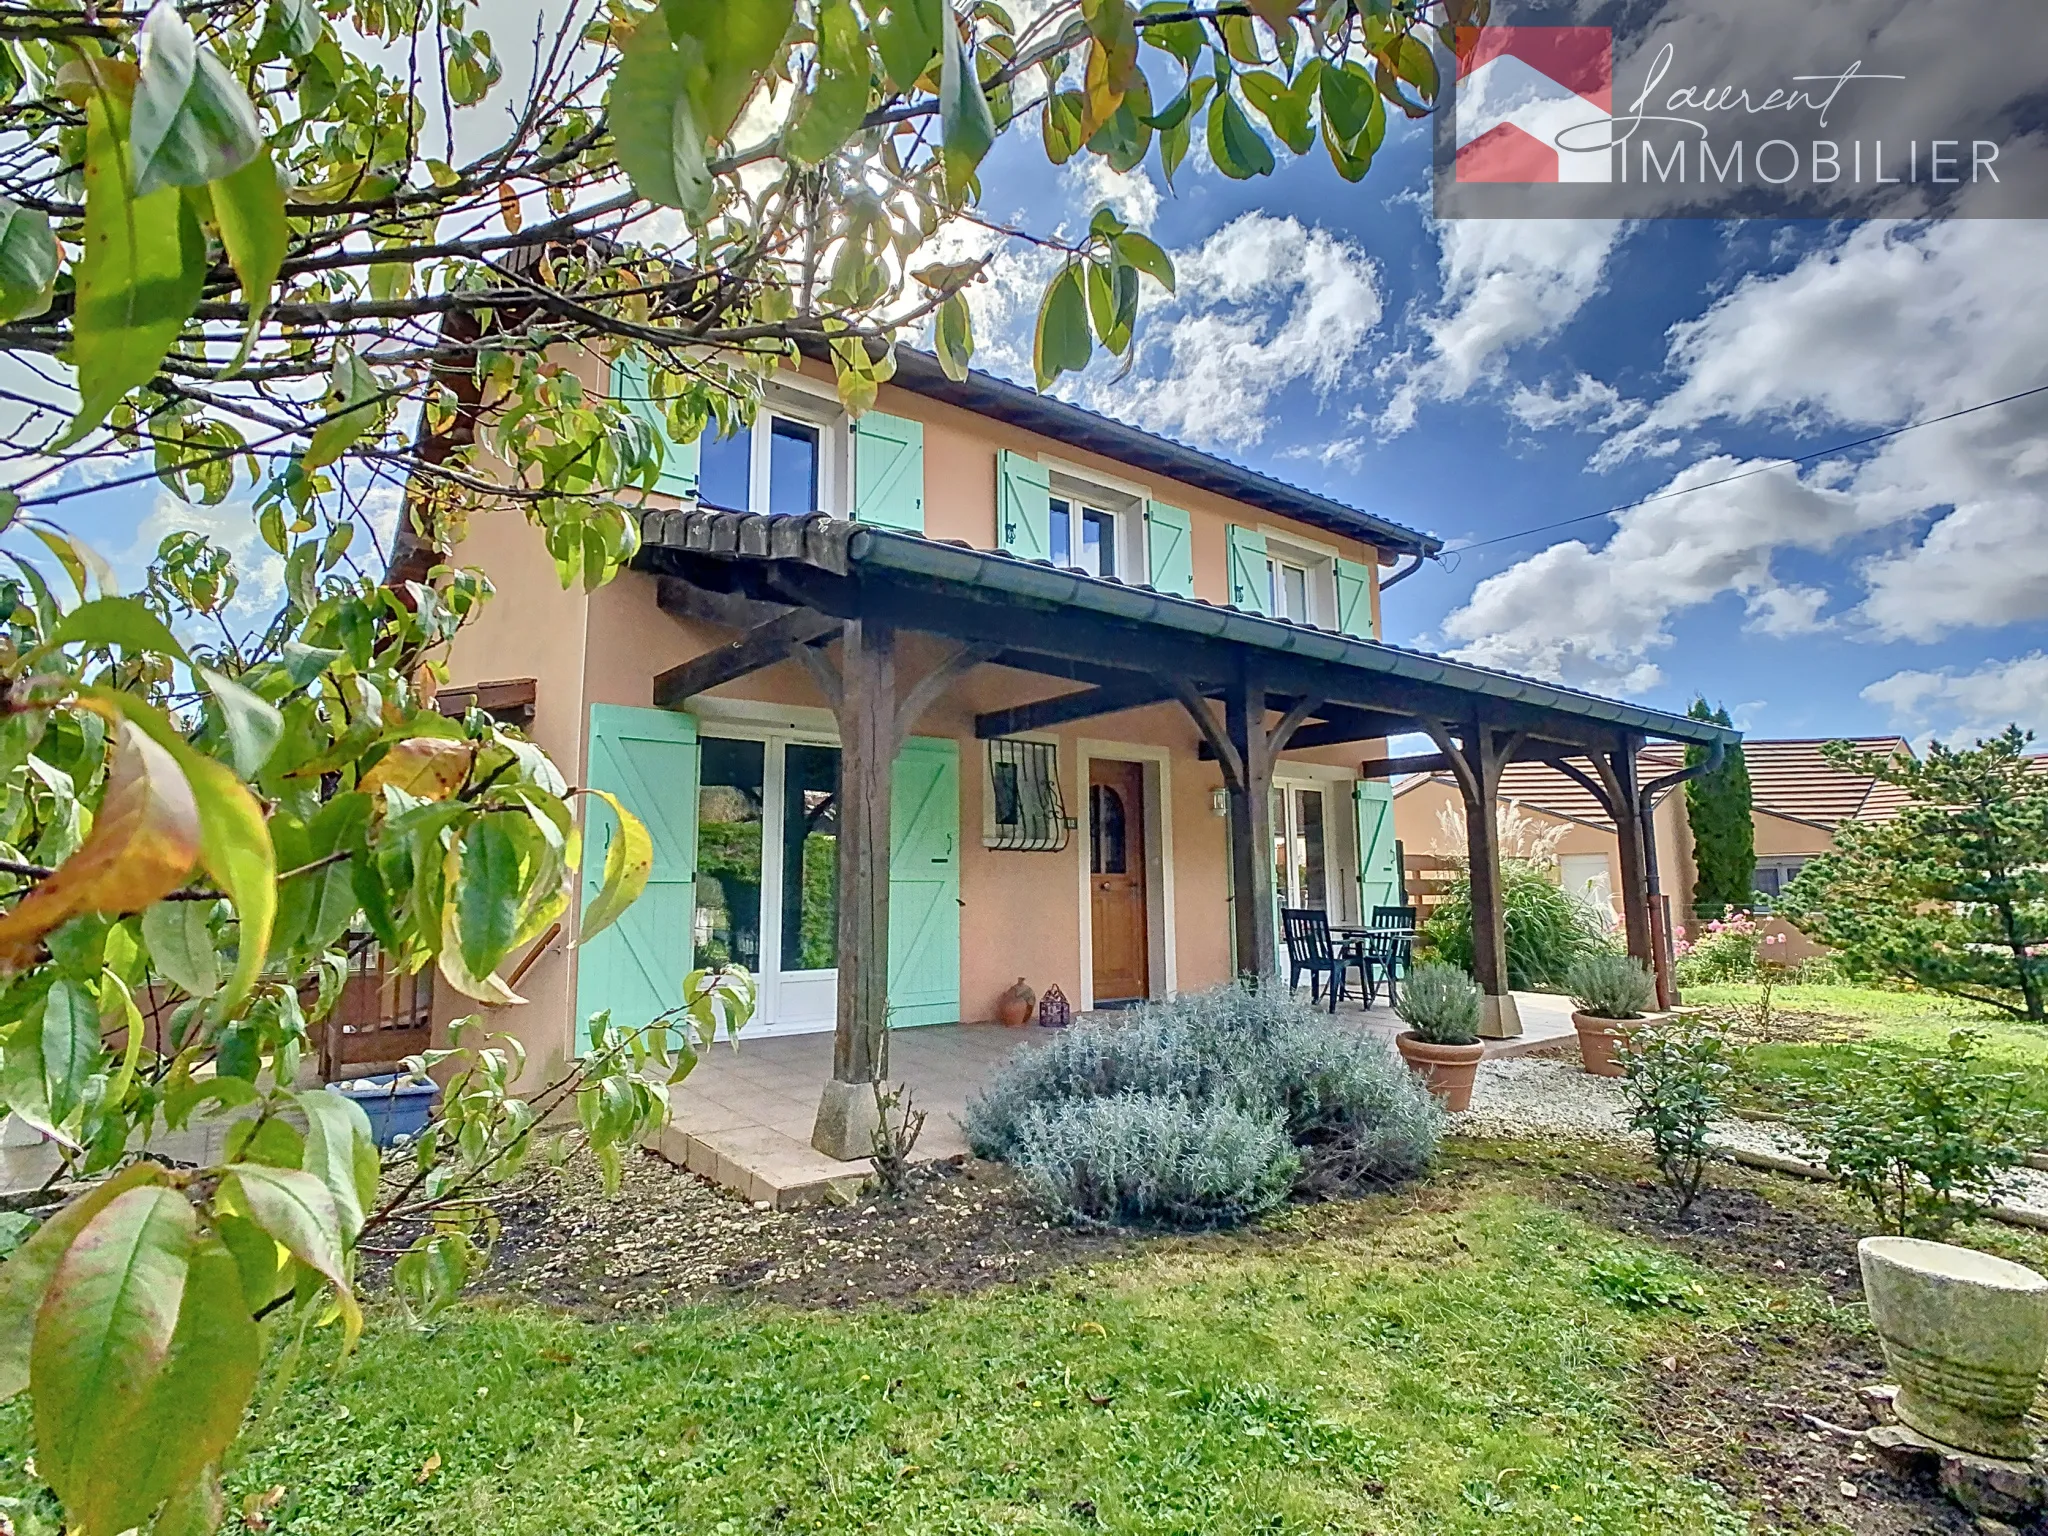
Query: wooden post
[
  {"x": 1476, "y": 763},
  {"x": 846, "y": 1121},
  {"x": 1617, "y": 772},
  {"x": 1253, "y": 916}
]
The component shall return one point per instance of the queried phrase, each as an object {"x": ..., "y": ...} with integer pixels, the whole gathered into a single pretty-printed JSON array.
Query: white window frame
[
  {"x": 1123, "y": 502},
  {"x": 1318, "y": 564},
  {"x": 802, "y": 401}
]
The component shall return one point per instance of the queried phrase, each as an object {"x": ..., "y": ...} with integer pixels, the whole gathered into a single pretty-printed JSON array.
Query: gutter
[{"x": 912, "y": 555}]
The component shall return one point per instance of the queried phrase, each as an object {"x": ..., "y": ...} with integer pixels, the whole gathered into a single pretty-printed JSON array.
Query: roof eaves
[
  {"x": 986, "y": 395},
  {"x": 913, "y": 554}
]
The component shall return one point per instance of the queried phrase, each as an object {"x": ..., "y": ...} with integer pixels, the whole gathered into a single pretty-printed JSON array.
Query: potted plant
[
  {"x": 1440, "y": 1005},
  {"x": 1607, "y": 992}
]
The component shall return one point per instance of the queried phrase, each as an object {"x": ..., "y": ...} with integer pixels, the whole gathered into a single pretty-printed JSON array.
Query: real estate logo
[
  {"x": 1644, "y": 109},
  {"x": 1534, "y": 104}
]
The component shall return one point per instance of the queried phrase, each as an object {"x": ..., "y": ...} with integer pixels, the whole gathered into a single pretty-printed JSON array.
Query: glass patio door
[
  {"x": 1300, "y": 862},
  {"x": 768, "y": 873}
]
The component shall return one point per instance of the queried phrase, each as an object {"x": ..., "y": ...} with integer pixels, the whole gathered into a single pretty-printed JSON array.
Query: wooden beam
[
  {"x": 759, "y": 647},
  {"x": 926, "y": 691},
  {"x": 1253, "y": 918},
  {"x": 1393, "y": 767},
  {"x": 733, "y": 610},
  {"x": 1476, "y": 760},
  {"x": 1214, "y": 736},
  {"x": 867, "y": 755},
  {"x": 1064, "y": 708}
]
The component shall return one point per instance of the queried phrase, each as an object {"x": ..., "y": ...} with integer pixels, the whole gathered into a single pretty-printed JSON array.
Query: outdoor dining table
[{"x": 1352, "y": 941}]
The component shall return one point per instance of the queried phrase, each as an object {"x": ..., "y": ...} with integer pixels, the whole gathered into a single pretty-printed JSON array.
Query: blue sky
[{"x": 1475, "y": 380}]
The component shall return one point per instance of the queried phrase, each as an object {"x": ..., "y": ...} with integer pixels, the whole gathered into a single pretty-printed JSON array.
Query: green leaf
[
  {"x": 953, "y": 336},
  {"x": 839, "y": 96},
  {"x": 1348, "y": 95},
  {"x": 660, "y": 138},
  {"x": 28, "y": 260},
  {"x": 122, "y": 621},
  {"x": 1234, "y": 144},
  {"x": 1181, "y": 37},
  {"x": 966, "y": 127},
  {"x": 353, "y": 403},
  {"x": 1066, "y": 114},
  {"x": 194, "y": 1407},
  {"x": 49, "y": 1057},
  {"x": 102, "y": 1338},
  {"x": 140, "y": 276},
  {"x": 1062, "y": 343},
  {"x": 248, "y": 209},
  {"x": 907, "y": 36},
  {"x": 296, "y": 26},
  {"x": 1285, "y": 109},
  {"x": 732, "y": 43},
  {"x": 295, "y": 1207},
  {"x": 191, "y": 122},
  {"x": 181, "y": 945},
  {"x": 252, "y": 724},
  {"x": 341, "y": 1153},
  {"x": 627, "y": 864},
  {"x": 487, "y": 894},
  {"x": 1143, "y": 252},
  {"x": 25, "y": 1277}
]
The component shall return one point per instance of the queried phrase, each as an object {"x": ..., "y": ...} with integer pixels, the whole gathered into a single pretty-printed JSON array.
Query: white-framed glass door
[
  {"x": 1301, "y": 845},
  {"x": 768, "y": 872}
]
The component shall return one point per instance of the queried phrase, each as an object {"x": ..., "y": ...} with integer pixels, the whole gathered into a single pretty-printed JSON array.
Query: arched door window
[{"x": 1108, "y": 853}]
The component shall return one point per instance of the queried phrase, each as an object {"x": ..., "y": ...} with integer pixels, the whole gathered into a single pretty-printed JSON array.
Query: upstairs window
[
  {"x": 1083, "y": 537},
  {"x": 791, "y": 461},
  {"x": 1288, "y": 586}
]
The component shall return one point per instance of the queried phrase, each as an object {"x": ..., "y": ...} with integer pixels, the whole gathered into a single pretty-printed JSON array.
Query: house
[
  {"x": 984, "y": 685},
  {"x": 1797, "y": 800}
]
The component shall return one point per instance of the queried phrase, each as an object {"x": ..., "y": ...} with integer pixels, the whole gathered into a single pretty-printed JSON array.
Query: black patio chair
[
  {"x": 1385, "y": 957},
  {"x": 1306, "y": 931},
  {"x": 1394, "y": 917}
]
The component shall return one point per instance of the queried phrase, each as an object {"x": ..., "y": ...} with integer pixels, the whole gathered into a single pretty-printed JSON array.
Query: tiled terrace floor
[{"x": 743, "y": 1118}]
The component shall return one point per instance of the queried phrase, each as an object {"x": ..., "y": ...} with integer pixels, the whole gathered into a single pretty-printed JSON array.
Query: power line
[{"x": 1757, "y": 469}]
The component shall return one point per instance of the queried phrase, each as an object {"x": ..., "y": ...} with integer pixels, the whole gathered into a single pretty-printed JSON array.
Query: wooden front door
[{"x": 1116, "y": 880}]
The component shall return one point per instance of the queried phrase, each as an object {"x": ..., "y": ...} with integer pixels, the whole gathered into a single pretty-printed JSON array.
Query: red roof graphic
[{"x": 1581, "y": 59}]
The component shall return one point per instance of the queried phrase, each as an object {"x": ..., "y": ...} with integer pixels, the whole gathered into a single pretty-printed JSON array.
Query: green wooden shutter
[
  {"x": 1170, "y": 543},
  {"x": 1354, "y": 599},
  {"x": 1023, "y": 506},
  {"x": 924, "y": 884},
  {"x": 1379, "y": 877},
  {"x": 635, "y": 968},
  {"x": 1251, "y": 587},
  {"x": 888, "y": 471},
  {"x": 630, "y": 389}
]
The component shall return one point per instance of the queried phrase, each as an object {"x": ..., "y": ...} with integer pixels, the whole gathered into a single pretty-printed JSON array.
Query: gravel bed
[{"x": 1529, "y": 1096}]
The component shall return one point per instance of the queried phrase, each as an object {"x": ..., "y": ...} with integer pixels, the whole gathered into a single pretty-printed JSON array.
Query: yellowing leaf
[
  {"x": 297, "y": 1209},
  {"x": 428, "y": 1467},
  {"x": 143, "y": 844},
  {"x": 427, "y": 767},
  {"x": 627, "y": 864},
  {"x": 248, "y": 209}
]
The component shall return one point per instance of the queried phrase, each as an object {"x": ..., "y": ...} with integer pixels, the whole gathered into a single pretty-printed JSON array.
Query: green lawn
[
  {"x": 1404, "y": 1369},
  {"x": 1848, "y": 1016}
]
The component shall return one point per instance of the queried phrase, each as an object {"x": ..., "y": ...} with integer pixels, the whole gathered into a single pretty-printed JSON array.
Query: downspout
[
  {"x": 1401, "y": 576},
  {"x": 1646, "y": 810}
]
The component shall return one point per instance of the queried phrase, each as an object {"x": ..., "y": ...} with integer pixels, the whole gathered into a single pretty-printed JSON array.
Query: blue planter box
[{"x": 395, "y": 1108}]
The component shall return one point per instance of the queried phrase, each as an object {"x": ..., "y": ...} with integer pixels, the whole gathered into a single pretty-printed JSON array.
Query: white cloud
[
  {"x": 1505, "y": 283},
  {"x": 1597, "y": 616},
  {"x": 1967, "y": 705},
  {"x": 1898, "y": 324},
  {"x": 232, "y": 526},
  {"x": 1263, "y": 304},
  {"x": 1889, "y": 325},
  {"x": 1092, "y": 181},
  {"x": 1589, "y": 403}
]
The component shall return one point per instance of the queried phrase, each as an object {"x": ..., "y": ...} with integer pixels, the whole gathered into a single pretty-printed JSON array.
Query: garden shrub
[
  {"x": 1441, "y": 1004},
  {"x": 1152, "y": 1158},
  {"x": 1645, "y": 1282},
  {"x": 1547, "y": 927},
  {"x": 1346, "y": 1109},
  {"x": 1677, "y": 1075},
  {"x": 1606, "y": 986},
  {"x": 1926, "y": 1139},
  {"x": 1725, "y": 949}
]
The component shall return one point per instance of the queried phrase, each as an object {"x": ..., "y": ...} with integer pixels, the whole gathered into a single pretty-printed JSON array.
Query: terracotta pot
[
  {"x": 1601, "y": 1042},
  {"x": 1017, "y": 1005},
  {"x": 1446, "y": 1070},
  {"x": 1965, "y": 1335}
]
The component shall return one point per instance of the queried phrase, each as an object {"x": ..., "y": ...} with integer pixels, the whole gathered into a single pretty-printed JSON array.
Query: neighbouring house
[
  {"x": 981, "y": 686},
  {"x": 1797, "y": 799}
]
